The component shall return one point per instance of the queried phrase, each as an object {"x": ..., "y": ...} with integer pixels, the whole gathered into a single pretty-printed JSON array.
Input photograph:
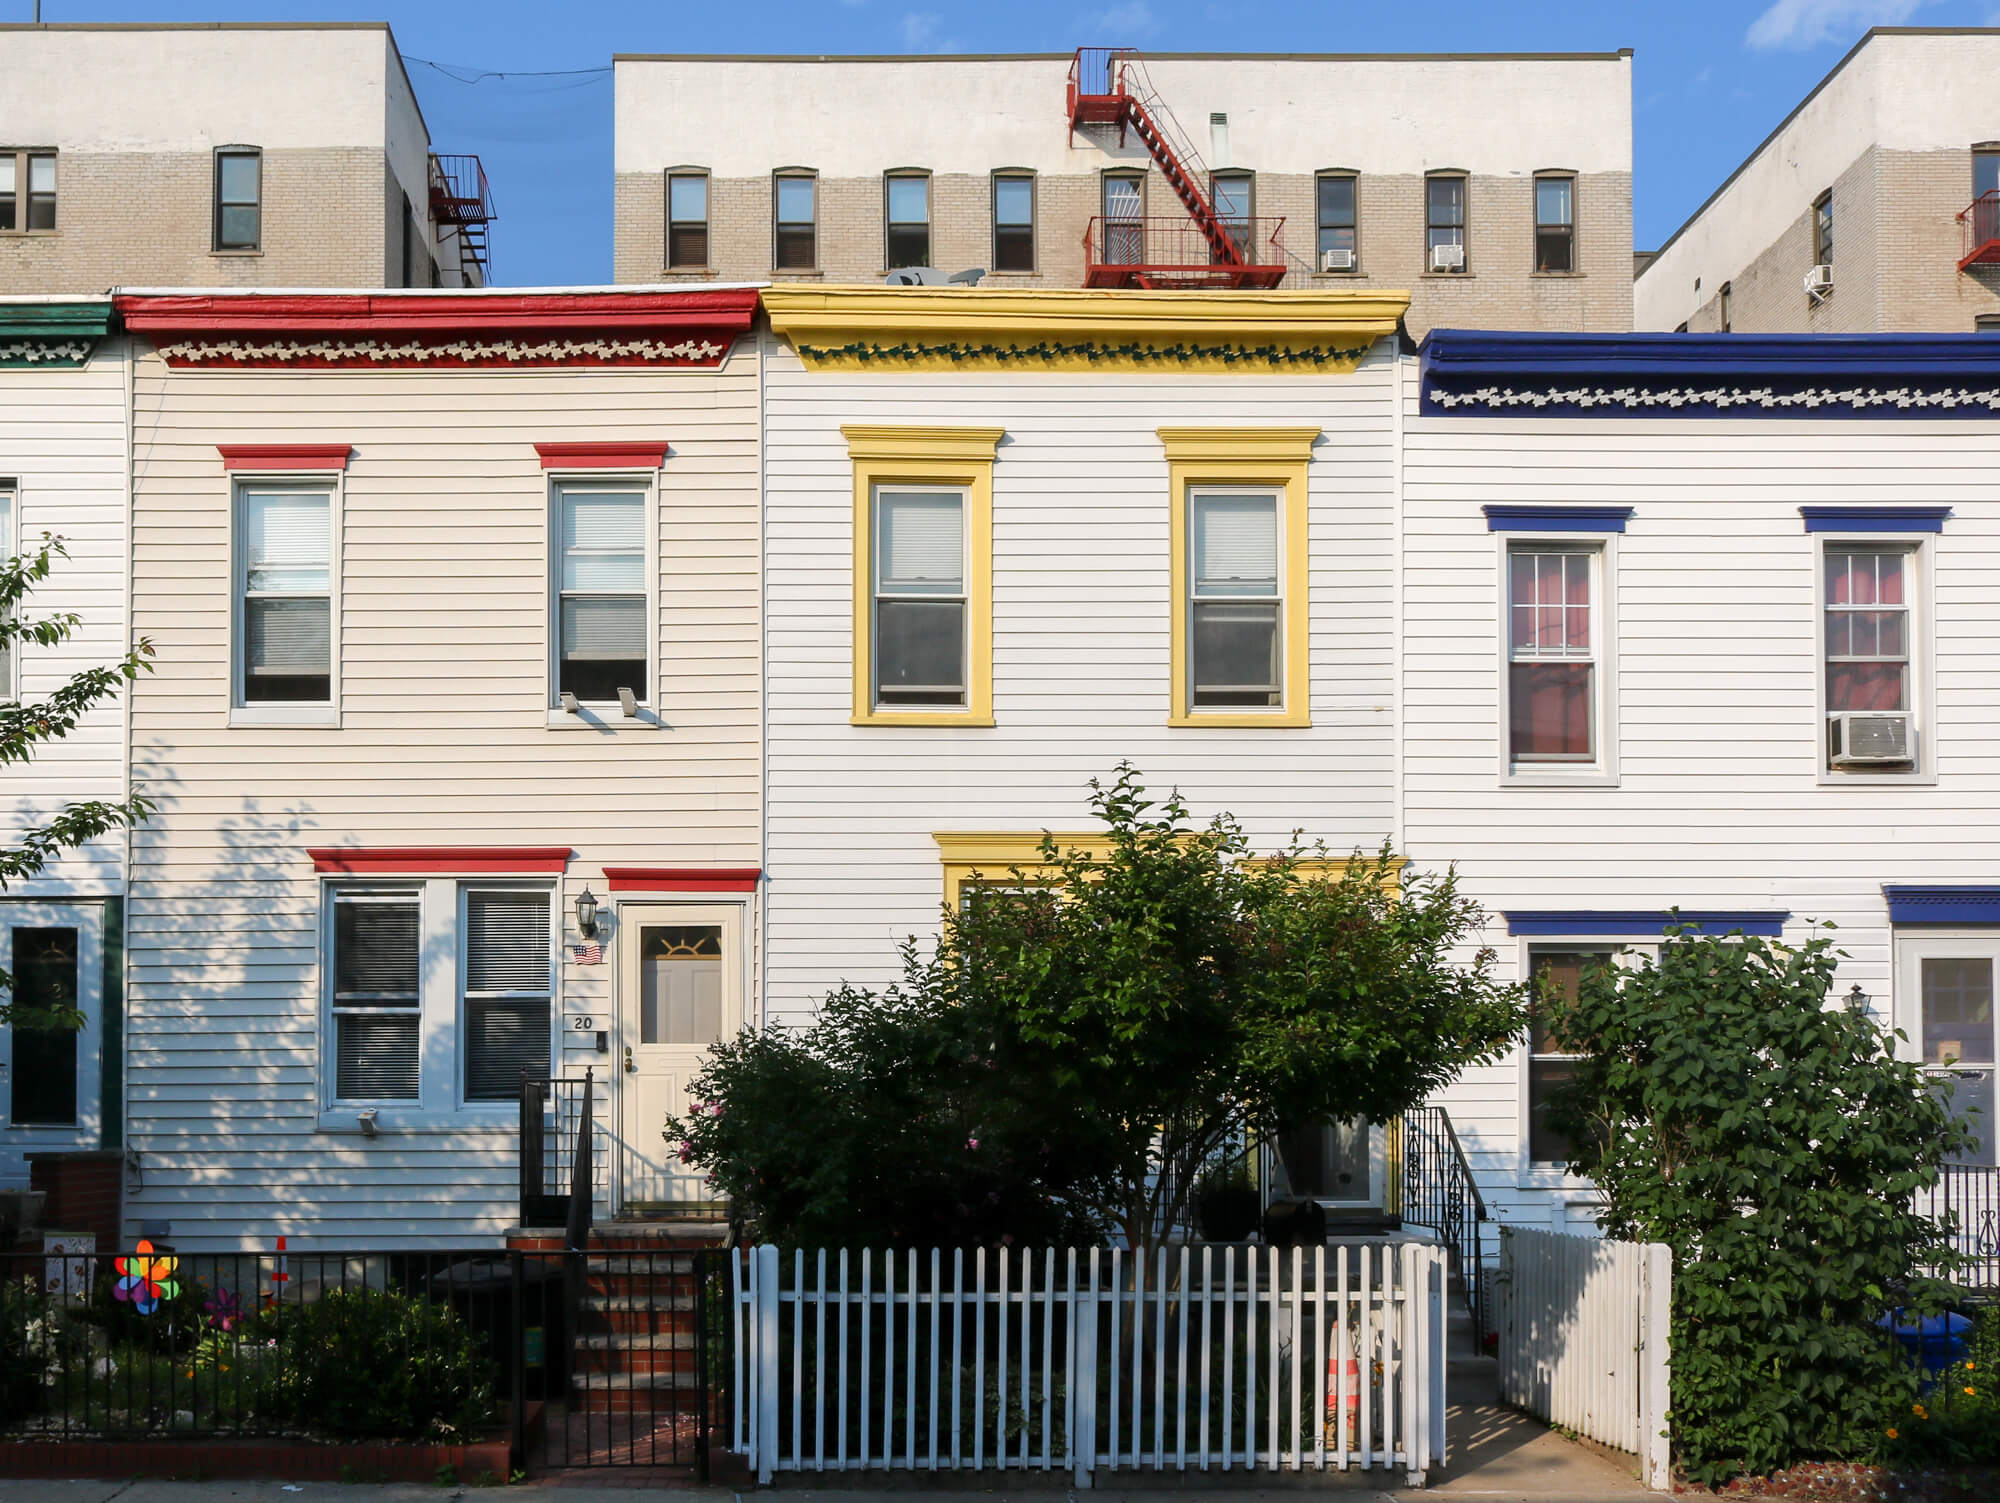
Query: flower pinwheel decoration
[
  {"x": 223, "y": 1309},
  {"x": 148, "y": 1278}
]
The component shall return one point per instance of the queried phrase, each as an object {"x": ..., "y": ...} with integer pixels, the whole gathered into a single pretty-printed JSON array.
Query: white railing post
[
  {"x": 764, "y": 1380},
  {"x": 1656, "y": 1276},
  {"x": 1083, "y": 1377},
  {"x": 1440, "y": 1443}
]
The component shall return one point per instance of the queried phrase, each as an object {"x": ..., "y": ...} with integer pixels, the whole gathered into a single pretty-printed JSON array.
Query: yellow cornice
[
  {"x": 1225, "y": 445},
  {"x": 949, "y": 445},
  {"x": 900, "y": 328}
]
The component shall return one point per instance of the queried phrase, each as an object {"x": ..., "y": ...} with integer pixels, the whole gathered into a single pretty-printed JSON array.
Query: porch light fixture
[
  {"x": 586, "y": 914},
  {"x": 1858, "y": 1000}
]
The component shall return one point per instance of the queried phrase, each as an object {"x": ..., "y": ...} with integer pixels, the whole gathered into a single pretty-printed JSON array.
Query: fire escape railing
[
  {"x": 462, "y": 203},
  {"x": 1980, "y": 223},
  {"x": 1440, "y": 1193}
]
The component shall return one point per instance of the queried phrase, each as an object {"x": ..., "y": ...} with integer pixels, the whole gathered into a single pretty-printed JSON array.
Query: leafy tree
[
  {"x": 1140, "y": 1004},
  {"x": 25, "y": 728},
  {"x": 1775, "y": 1145}
]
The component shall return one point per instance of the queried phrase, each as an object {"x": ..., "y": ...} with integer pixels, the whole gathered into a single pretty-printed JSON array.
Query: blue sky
[{"x": 1711, "y": 77}]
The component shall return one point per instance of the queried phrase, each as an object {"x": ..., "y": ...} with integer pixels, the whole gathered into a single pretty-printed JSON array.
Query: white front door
[
  {"x": 680, "y": 992},
  {"x": 49, "y": 1077},
  {"x": 1945, "y": 1004}
]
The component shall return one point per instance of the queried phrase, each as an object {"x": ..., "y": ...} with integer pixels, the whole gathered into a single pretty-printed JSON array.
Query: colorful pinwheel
[
  {"x": 148, "y": 1279},
  {"x": 223, "y": 1309}
]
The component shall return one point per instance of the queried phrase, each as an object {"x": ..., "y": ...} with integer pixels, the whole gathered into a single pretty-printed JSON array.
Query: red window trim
[
  {"x": 649, "y": 455},
  {"x": 284, "y": 456},
  {"x": 682, "y": 878},
  {"x": 439, "y": 860}
]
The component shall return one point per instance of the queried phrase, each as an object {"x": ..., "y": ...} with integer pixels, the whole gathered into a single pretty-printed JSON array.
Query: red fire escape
[
  {"x": 462, "y": 203},
  {"x": 1125, "y": 247},
  {"x": 1981, "y": 226}
]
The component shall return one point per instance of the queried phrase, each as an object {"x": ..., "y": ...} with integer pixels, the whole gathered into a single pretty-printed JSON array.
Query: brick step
[
  {"x": 641, "y": 1263},
  {"x": 639, "y": 1360},
  {"x": 642, "y": 1393},
  {"x": 640, "y": 1323}
]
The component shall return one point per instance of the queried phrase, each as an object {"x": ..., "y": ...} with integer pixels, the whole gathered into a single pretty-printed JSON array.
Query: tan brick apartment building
[
  {"x": 228, "y": 155},
  {"x": 1332, "y": 171},
  {"x": 1873, "y": 207}
]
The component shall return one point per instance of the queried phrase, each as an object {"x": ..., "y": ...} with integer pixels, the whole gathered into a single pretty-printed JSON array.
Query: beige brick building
[
  {"x": 788, "y": 168},
  {"x": 285, "y": 155},
  {"x": 1866, "y": 191}
]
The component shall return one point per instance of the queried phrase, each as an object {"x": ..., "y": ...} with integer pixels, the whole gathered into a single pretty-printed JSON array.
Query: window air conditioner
[
  {"x": 1819, "y": 281},
  {"x": 1447, "y": 258},
  {"x": 1870, "y": 739},
  {"x": 1336, "y": 260}
]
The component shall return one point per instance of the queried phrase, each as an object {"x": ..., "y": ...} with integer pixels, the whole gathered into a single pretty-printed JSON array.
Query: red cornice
[
  {"x": 308, "y": 331},
  {"x": 284, "y": 456},
  {"x": 603, "y": 456},
  {"x": 682, "y": 878},
  {"x": 439, "y": 860}
]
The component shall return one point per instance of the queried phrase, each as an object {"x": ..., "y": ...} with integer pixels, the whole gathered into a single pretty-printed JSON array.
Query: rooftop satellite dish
[
  {"x": 915, "y": 276},
  {"x": 967, "y": 278}
]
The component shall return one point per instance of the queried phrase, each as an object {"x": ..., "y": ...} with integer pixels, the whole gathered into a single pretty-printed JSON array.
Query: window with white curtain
[
  {"x": 509, "y": 979},
  {"x": 920, "y": 601},
  {"x": 284, "y": 547},
  {"x": 603, "y": 633},
  {"x": 377, "y": 997},
  {"x": 1236, "y": 657}
]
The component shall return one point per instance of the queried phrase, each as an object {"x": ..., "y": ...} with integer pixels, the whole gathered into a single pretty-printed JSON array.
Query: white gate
[
  {"x": 1215, "y": 1358},
  {"x": 1583, "y": 1325}
]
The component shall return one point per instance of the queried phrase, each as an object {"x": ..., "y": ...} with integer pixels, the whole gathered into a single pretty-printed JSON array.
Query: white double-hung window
[
  {"x": 604, "y": 636},
  {"x": 1235, "y": 603},
  {"x": 1869, "y": 635},
  {"x": 441, "y": 992},
  {"x": 920, "y": 647},
  {"x": 1552, "y": 654},
  {"x": 284, "y": 589},
  {"x": 7, "y": 514}
]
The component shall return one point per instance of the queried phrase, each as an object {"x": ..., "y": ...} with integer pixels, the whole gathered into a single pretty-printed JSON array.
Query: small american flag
[{"x": 590, "y": 954}]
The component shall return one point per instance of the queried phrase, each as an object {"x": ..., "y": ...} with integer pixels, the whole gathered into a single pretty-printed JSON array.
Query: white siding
[
  {"x": 1081, "y": 617},
  {"x": 443, "y": 741},
  {"x": 1719, "y": 804}
]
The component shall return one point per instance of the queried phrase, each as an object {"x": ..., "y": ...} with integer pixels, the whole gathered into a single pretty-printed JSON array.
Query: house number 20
[{"x": 583, "y": 1024}]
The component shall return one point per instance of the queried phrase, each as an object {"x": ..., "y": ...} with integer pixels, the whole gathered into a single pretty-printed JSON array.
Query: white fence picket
[
  {"x": 1317, "y": 1363},
  {"x": 1583, "y": 1326}
]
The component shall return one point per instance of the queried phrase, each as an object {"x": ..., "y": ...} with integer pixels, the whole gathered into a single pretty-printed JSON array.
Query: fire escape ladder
[
  {"x": 461, "y": 200},
  {"x": 1154, "y": 124}
]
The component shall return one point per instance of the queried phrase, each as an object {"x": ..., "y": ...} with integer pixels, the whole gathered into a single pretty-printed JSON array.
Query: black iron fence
[
  {"x": 1966, "y": 1200},
  {"x": 596, "y": 1358}
]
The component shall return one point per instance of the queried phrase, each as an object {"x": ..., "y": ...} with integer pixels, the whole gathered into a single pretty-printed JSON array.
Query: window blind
[
  {"x": 504, "y": 1039},
  {"x": 603, "y": 540},
  {"x": 507, "y": 942},
  {"x": 1235, "y": 545},
  {"x": 375, "y": 949},
  {"x": 600, "y": 627},
  {"x": 377, "y": 1056},
  {"x": 286, "y": 636},
  {"x": 286, "y": 541},
  {"x": 6, "y": 551},
  {"x": 922, "y": 545}
]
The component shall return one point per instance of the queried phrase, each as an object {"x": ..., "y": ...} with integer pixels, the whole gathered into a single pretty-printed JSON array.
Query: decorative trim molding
[
  {"x": 1226, "y": 445},
  {"x": 952, "y": 445},
  {"x": 1476, "y": 373},
  {"x": 284, "y": 456},
  {"x": 1079, "y": 328},
  {"x": 682, "y": 878},
  {"x": 439, "y": 860},
  {"x": 1942, "y": 902},
  {"x": 1556, "y": 518},
  {"x": 45, "y": 354},
  {"x": 647, "y": 455},
  {"x": 1599, "y": 923},
  {"x": 1875, "y": 518},
  {"x": 321, "y": 331}
]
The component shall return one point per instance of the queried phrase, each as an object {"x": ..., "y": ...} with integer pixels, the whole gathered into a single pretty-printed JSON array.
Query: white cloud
[
  {"x": 1124, "y": 23},
  {"x": 1807, "y": 23},
  {"x": 923, "y": 31}
]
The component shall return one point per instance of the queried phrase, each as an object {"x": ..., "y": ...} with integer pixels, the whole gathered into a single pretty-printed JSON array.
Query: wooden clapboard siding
[
  {"x": 1081, "y": 618},
  {"x": 1718, "y": 804},
  {"x": 442, "y": 742},
  {"x": 62, "y": 442}
]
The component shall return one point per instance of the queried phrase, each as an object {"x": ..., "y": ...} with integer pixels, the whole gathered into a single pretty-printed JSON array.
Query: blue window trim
[
  {"x": 1874, "y": 518},
  {"x": 1942, "y": 903},
  {"x": 1593, "y": 923},
  {"x": 1556, "y": 518}
]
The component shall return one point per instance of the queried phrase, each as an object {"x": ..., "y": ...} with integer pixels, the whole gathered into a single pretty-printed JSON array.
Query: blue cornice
[
  {"x": 1874, "y": 518},
  {"x": 1485, "y": 374},
  {"x": 1599, "y": 923},
  {"x": 1556, "y": 518},
  {"x": 1942, "y": 903}
]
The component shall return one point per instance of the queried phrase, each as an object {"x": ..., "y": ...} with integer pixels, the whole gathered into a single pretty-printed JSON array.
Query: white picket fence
[
  {"x": 1087, "y": 1360},
  {"x": 1583, "y": 1325}
]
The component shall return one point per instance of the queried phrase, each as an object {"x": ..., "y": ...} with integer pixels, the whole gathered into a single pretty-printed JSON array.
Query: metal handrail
[
  {"x": 1439, "y": 1192},
  {"x": 576, "y": 1233}
]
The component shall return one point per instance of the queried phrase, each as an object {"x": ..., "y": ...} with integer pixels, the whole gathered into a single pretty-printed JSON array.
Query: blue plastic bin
[{"x": 1936, "y": 1341}]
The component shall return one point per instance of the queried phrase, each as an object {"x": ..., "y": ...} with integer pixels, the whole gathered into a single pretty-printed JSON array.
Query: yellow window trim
[
  {"x": 1276, "y": 457},
  {"x": 959, "y": 457},
  {"x": 971, "y": 856}
]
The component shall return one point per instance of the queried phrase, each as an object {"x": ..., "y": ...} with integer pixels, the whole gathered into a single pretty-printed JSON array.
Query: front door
[
  {"x": 1945, "y": 1004},
  {"x": 1334, "y": 1162},
  {"x": 680, "y": 993},
  {"x": 49, "y": 1076}
]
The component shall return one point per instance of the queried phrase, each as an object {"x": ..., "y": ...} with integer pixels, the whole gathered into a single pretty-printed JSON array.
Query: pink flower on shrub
[{"x": 972, "y": 1142}]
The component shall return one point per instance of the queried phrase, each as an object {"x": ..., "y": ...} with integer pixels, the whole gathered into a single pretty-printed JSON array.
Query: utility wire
[{"x": 457, "y": 72}]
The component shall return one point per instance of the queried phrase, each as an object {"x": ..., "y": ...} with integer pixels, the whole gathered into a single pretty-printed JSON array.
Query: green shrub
[
  {"x": 365, "y": 1362},
  {"x": 38, "y": 1344},
  {"x": 1775, "y": 1144},
  {"x": 1956, "y": 1421}
]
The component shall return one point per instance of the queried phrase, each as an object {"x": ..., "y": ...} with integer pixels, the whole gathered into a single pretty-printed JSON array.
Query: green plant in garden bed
[
  {"x": 1775, "y": 1144},
  {"x": 1956, "y": 1420}
]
